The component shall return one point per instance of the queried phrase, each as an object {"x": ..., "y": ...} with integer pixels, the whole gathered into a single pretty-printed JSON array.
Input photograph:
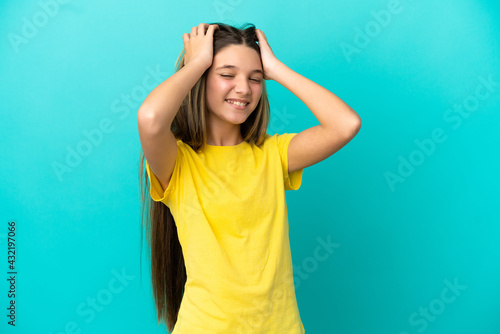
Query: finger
[
  {"x": 211, "y": 29},
  {"x": 260, "y": 36},
  {"x": 201, "y": 29},
  {"x": 263, "y": 36},
  {"x": 185, "y": 38},
  {"x": 194, "y": 31}
]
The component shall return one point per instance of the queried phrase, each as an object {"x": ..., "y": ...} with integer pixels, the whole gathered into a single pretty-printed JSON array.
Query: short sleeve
[
  {"x": 158, "y": 194},
  {"x": 293, "y": 180}
]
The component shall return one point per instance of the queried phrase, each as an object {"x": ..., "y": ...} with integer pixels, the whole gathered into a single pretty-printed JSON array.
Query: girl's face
[{"x": 235, "y": 75}]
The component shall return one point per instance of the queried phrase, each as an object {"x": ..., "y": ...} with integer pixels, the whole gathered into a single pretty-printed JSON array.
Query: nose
[{"x": 242, "y": 87}]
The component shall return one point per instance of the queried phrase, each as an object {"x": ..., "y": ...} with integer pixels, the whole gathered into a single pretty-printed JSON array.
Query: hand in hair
[
  {"x": 198, "y": 45},
  {"x": 269, "y": 60}
]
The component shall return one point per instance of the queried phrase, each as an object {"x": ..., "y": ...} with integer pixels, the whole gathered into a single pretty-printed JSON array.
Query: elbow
[
  {"x": 357, "y": 125},
  {"x": 145, "y": 115},
  {"x": 145, "y": 118},
  {"x": 353, "y": 128},
  {"x": 351, "y": 123},
  {"x": 148, "y": 121}
]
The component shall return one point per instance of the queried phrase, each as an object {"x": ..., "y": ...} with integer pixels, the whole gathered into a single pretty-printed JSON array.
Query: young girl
[{"x": 217, "y": 224}]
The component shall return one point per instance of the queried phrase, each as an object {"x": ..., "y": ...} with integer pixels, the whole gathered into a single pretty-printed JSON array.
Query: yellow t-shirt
[{"x": 229, "y": 206}]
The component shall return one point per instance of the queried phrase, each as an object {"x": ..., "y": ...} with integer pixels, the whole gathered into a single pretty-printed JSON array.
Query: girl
[{"x": 217, "y": 222}]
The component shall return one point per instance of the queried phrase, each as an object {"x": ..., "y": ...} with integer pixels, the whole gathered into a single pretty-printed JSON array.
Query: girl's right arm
[{"x": 158, "y": 110}]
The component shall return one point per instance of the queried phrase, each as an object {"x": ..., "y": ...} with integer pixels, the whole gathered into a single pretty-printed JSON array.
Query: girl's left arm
[{"x": 339, "y": 123}]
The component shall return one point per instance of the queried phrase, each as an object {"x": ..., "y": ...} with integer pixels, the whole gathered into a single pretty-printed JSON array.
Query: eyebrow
[{"x": 235, "y": 67}]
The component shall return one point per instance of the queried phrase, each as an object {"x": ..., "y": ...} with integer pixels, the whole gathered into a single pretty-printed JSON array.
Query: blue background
[{"x": 410, "y": 205}]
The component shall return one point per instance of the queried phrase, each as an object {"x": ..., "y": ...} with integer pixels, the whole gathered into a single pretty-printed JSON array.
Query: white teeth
[{"x": 241, "y": 104}]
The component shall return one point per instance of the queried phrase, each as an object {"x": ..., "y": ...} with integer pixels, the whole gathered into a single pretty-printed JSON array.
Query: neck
[{"x": 224, "y": 134}]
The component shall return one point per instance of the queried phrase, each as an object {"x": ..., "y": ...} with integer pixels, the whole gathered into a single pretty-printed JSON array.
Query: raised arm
[
  {"x": 158, "y": 110},
  {"x": 338, "y": 122}
]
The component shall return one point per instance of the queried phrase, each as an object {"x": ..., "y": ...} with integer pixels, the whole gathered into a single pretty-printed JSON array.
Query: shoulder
[
  {"x": 281, "y": 140},
  {"x": 278, "y": 143}
]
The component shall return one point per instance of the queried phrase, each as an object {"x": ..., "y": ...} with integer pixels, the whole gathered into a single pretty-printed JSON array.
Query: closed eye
[{"x": 230, "y": 76}]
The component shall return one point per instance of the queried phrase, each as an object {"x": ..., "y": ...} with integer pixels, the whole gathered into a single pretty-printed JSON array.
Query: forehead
[{"x": 242, "y": 56}]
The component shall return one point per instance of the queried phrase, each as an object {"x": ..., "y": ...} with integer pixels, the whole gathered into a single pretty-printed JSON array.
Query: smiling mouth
[{"x": 239, "y": 104}]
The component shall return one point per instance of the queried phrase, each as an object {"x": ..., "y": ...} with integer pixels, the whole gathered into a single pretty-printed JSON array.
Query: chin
[{"x": 237, "y": 120}]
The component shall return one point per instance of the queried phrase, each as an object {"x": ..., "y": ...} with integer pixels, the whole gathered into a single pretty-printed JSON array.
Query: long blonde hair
[{"x": 168, "y": 272}]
